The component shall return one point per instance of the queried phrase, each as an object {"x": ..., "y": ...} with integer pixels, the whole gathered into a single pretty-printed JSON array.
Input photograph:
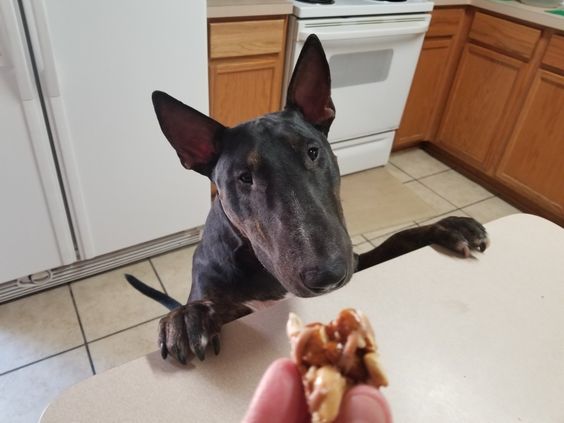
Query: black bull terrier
[{"x": 276, "y": 225}]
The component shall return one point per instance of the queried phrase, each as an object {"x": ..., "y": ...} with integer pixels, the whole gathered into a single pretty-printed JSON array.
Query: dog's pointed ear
[
  {"x": 310, "y": 87},
  {"x": 194, "y": 136}
]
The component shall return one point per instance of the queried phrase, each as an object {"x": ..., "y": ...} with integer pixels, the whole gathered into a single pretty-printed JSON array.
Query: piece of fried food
[{"x": 332, "y": 358}]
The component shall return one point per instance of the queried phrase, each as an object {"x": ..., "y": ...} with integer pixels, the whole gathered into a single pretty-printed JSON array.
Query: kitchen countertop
[
  {"x": 465, "y": 340},
  {"x": 510, "y": 8},
  {"x": 241, "y": 8},
  {"x": 513, "y": 9}
]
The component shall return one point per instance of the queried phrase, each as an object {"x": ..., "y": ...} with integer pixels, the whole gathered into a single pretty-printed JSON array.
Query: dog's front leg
[
  {"x": 458, "y": 234},
  {"x": 190, "y": 328}
]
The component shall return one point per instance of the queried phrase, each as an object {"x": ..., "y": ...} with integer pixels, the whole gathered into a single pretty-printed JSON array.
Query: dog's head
[{"x": 277, "y": 178}]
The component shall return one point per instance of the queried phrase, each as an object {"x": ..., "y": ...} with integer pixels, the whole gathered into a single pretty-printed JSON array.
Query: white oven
[{"x": 372, "y": 61}]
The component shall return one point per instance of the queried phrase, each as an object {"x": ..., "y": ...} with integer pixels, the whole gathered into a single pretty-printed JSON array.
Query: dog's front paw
[
  {"x": 189, "y": 328},
  {"x": 460, "y": 234}
]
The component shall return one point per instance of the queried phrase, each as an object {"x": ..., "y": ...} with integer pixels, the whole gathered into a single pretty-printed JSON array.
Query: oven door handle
[{"x": 412, "y": 28}]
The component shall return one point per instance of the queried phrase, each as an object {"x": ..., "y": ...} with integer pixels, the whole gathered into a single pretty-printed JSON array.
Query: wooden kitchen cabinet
[
  {"x": 533, "y": 160},
  {"x": 484, "y": 86},
  {"x": 432, "y": 76},
  {"x": 490, "y": 81},
  {"x": 246, "y": 62},
  {"x": 512, "y": 38},
  {"x": 554, "y": 57},
  {"x": 497, "y": 114}
]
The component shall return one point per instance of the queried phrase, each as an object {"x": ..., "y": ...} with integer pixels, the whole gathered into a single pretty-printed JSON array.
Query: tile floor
[{"x": 59, "y": 337}]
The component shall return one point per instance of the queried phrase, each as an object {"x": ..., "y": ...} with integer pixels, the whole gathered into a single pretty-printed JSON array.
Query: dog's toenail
[{"x": 216, "y": 344}]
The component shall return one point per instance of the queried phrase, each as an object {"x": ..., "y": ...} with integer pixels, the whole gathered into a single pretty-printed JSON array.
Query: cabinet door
[
  {"x": 484, "y": 85},
  {"x": 425, "y": 89},
  {"x": 243, "y": 88},
  {"x": 533, "y": 162}
]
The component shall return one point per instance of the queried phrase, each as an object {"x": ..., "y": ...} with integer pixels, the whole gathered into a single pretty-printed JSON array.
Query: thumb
[
  {"x": 364, "y": 404},
  {"x": 279, "y": 397}
]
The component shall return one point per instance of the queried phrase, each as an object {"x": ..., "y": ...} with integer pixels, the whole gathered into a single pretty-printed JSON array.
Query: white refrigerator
[{"x": 84, "y": 168}]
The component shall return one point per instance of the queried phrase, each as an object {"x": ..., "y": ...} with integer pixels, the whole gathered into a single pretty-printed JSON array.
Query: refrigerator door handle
[
  {"x": 17, "y": 49},
  {"x": 50, "y": 80}
]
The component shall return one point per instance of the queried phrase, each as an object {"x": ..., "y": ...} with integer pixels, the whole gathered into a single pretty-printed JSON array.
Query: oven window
[{"x": 360, "y": 68}]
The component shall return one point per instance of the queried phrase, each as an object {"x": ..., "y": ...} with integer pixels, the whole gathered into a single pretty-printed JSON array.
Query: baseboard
[
  {"x": 82, "y": 269},
  {"x": 496, "y": 187}
]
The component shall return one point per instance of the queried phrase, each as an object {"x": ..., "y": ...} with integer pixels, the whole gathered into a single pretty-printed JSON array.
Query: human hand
[{"x": 280, "y": 398}]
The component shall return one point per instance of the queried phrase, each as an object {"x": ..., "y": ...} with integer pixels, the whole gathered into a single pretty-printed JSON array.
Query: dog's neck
[{"x": 231, "y": 263}]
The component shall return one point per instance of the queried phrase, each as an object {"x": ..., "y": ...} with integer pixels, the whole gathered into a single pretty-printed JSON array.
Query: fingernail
[{"x": 366, "y": 406}]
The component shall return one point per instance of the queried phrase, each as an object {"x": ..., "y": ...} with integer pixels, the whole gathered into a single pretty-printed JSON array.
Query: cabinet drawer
[
  {"x": 445, "y": 22},
  {"x": 510, "y": 37},
  {"x": 554, "y": 56},
  {"x": 246, "y": 38}
]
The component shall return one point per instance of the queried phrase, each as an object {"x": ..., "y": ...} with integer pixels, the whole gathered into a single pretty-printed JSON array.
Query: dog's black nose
[{"x": 326, "y": 278}]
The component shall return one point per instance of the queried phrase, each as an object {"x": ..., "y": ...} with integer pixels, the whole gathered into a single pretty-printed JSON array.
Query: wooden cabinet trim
[
  {"x": 412, "y": 128},
  {"x": 445, "y": 22},
  {"x": 516, "y": 103},
  {"x": 554, "y": 56},
  {"x": 426, "y": 87},
  {"x": 495, "y": 56},
  {"x": 455, "y": 55},
  {"x": 433, "y": 43},
  {"x": 510, "y": 37},
  {"x": 244, "y": 63},
  {"x": 246, "y": 38}
]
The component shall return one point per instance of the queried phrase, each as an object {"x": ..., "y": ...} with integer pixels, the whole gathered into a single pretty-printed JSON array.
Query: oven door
[{"x": 372, "y": 61}]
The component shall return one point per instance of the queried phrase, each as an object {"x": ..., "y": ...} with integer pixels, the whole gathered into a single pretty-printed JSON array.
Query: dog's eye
[
  {"x": 246, "y": 178},
  {"x": 313, "y": 152}
]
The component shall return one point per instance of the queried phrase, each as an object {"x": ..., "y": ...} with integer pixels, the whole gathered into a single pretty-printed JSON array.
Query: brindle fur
[{"x": 282, "y": 232}]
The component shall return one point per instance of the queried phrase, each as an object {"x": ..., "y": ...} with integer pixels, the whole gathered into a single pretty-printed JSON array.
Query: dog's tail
[{"x": 158, "y": 296}]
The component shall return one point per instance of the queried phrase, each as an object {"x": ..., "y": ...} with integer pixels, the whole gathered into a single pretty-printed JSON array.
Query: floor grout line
[
  {"x": 431, "y": 174},
  {"x": 408, "y": 224},
  {"x": 82, "y": 331},
  {"x": 450, "y": 202},
  {"x": 126, "y": 329},
  {"x": 23, "y": 366},
  {"x": 402, "y": 171},
  {"x": 157, "y": 274},
  {"x": 399, "y": 168},
  {"x": 477, "y": 202},
  {"x": 436, "y": 193},
  {"x": 425, "y": 176},
  {"x": 423, "y": 222}
]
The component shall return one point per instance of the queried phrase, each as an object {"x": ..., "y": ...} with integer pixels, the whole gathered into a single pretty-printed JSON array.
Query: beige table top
[{"x": 476, "y": 340}]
